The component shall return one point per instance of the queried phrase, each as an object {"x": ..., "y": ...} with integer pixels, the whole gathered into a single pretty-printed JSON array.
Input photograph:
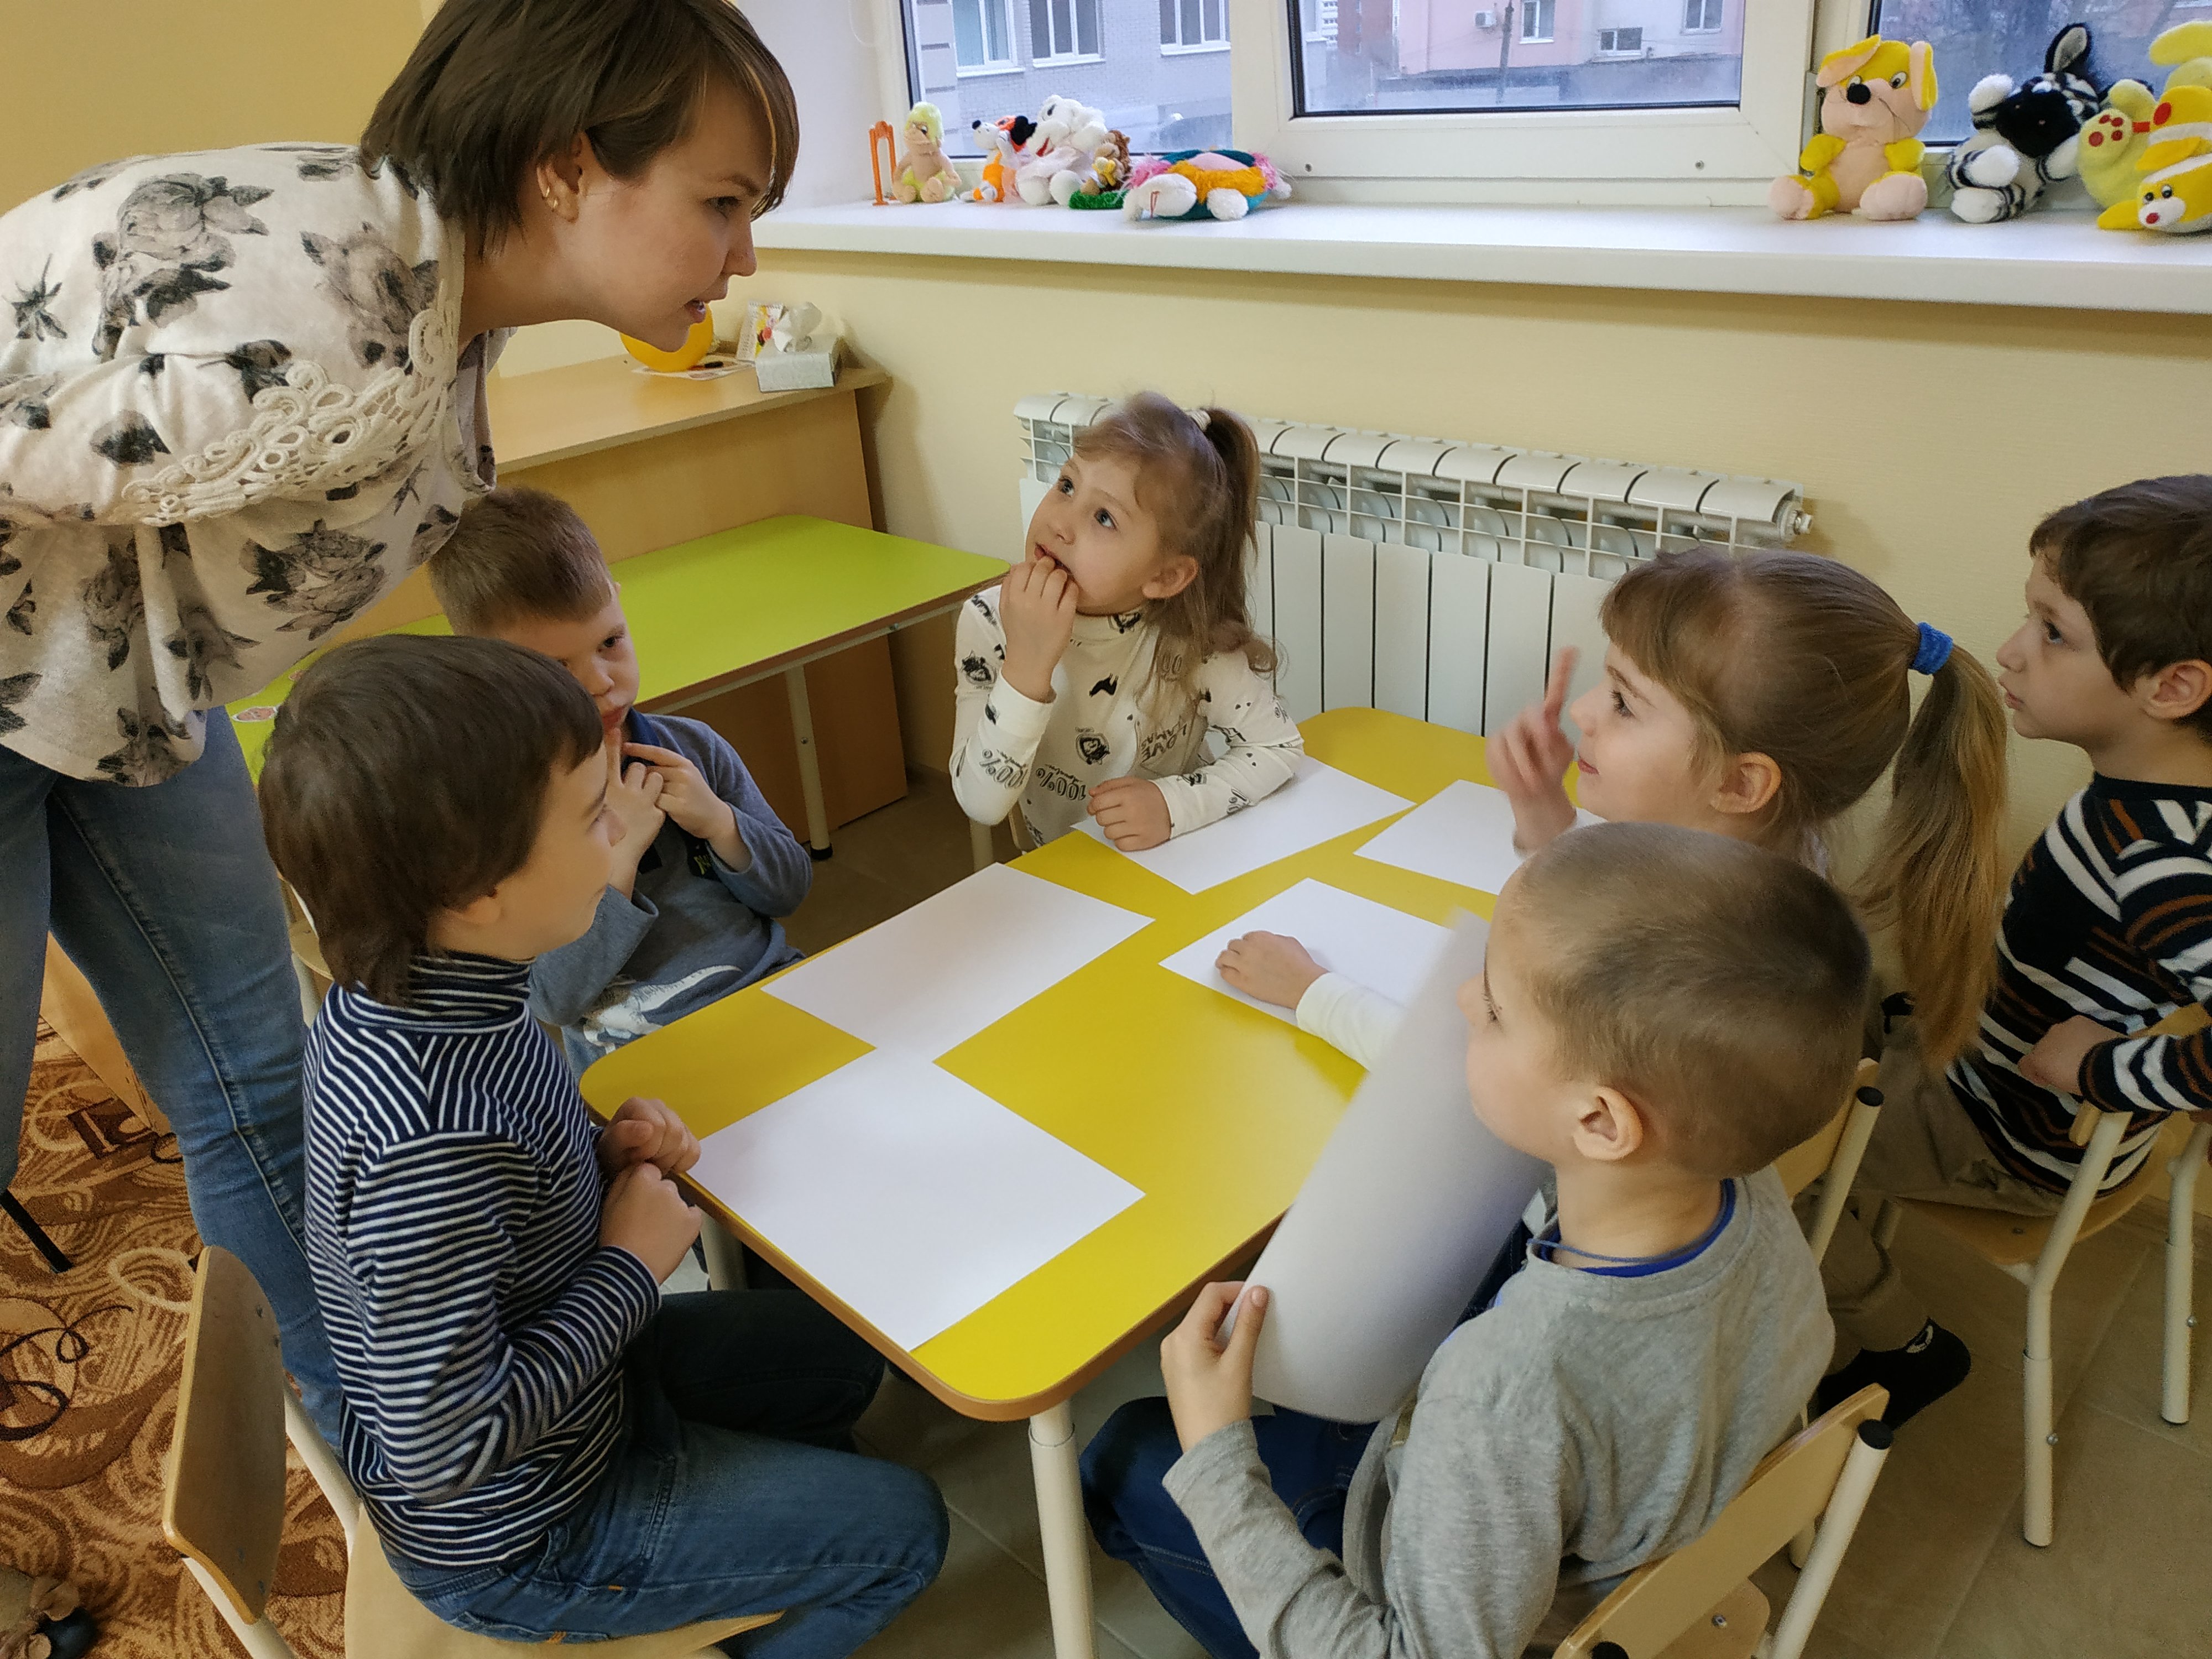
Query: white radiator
[{"x": 1435, "y": 578}]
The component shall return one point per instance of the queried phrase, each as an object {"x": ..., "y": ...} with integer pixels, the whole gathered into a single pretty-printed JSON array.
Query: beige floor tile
[
  {"x": 2125, "y": 1577},
  {"x": 2126, "y": 1375}
]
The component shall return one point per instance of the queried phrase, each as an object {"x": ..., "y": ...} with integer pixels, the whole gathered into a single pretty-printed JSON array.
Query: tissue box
[{"x": 797, "y": 371}]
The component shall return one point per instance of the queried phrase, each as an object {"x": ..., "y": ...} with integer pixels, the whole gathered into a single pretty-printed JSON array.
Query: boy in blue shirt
[
  {"x": 703, "y": 868},
  {"x": 547, "y": 1448}
]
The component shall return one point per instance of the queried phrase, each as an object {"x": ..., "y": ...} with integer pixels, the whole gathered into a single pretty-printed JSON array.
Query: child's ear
[
  {"x": 1747, "y": 783},
  {"x": 1171, "y": 578},
  {"x": 2177, "y": 691},
  {"x": 1610, "y": 1129}
]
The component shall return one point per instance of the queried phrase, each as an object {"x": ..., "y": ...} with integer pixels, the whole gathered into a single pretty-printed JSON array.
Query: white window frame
[
  {"x": 1708, "y": 154},
  {"x": 1617, "y": 50},
  {"x": 1717, "y": 10},
  {"x": 1186, "y": 49},
  {"x": 1063, "y": 59},
  {"x": 1551, "y": 14},
  {"x": 1011, "y": 64}
]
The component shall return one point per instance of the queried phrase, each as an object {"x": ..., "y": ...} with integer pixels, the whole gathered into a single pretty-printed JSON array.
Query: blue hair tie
[{"x": 1934, "y": 650}]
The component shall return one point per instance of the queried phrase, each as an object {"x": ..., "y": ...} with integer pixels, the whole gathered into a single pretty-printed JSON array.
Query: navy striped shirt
[
  {"x": 2109, "y": 917},
  {"x": 453, "y": 1198}
]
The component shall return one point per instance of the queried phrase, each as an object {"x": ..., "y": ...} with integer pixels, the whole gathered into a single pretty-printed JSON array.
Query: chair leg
[
  {"x": 323, "y": 1464},
  {"x": 44, "y": 1245},
  {"x": 2180, "y": 1271},
  {"x": 1884, "y": 1222},
  {"x": 726, "y": 1257},
  {"x": 259, "y": 1638},
  {"x": 979, "y": 845},
  {"x": 1838, "y": 1523}
]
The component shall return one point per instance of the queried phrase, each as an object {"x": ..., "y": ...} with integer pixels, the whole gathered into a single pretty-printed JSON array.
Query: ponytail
[{"x": 1937, "y": 875}]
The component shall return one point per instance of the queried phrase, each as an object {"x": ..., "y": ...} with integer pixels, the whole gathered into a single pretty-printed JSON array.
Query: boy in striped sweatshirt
[
  {"x": 548, "y": 1449},
  {"x": 2107, "y": 930}
]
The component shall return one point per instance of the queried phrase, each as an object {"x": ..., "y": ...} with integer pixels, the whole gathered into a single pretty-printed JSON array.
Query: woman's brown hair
[
  {"x": 1806, "y": 661},
  {"x": 1198, "y": 475},
  {"x": 494, "y": 87}
]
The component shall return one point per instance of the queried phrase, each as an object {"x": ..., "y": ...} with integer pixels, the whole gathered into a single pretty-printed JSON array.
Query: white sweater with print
[{"x": 1102, "y": 724}]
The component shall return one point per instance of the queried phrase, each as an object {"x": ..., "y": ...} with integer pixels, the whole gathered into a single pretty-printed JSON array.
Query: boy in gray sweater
[
  {"x": 703, "y": 868},
  {"x": 1663, "y": 1012}
]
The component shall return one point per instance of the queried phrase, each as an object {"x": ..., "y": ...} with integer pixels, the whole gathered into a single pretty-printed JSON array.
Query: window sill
[{"x": 2047, "y": 258}]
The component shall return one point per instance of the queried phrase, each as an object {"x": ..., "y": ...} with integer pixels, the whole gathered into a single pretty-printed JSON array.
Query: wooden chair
[
  {"x": 1832, "y": 1156},
  {"x": 2033, "y": 1251},
  {"x": 222, "y": 1502},
  {"x": 1699, "y": 1602}
]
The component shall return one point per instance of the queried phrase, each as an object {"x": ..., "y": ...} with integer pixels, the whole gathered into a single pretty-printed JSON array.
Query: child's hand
[
  {"x": 686, "y": 797},
  {"x": 634, "y": 798},
  {"x": 2056, "y": 1061},
  {"x": 1209, "y": 1384},
  {"x": 646, "y": 1132},
  {"x": 1528, "y": 757},
  {"x": 1036, "y": 607},
  {"x": 646, "y": 1215},
  {"x": 1272, "y": 967},
  {"x": 1131, "y": 811}
]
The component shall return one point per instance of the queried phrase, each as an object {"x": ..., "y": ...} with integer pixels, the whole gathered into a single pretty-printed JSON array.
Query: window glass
[
  {"x": 1153, "y": 67},
  {"x": 1377, "y": 57},
  {"x": 1975, "y": 38}
]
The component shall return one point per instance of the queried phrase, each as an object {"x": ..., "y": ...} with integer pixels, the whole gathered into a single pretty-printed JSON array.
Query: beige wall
[
  {"x": 89, "y": 80},
  {"x": 1930, "y": 438}
]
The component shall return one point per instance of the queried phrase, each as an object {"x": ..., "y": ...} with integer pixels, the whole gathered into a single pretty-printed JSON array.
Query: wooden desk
[
  {"x": 743, "y": 605},
  {"x": 1217, "y": 1165}
]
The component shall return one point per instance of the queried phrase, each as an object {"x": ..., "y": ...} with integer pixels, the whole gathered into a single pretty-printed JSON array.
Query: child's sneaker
[
  {"x": 39, "y": 1618},
  {"x": 1916, "y": 1374}
]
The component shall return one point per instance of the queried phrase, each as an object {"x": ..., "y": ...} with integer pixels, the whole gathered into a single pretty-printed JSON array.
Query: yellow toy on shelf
[
  {"x": 2173, "y": 196},
  {"x": 2115, "y": 138},
  {"x": 925, "y": 172},
  {"x": 1866, "y": 157},
  {"x": 698, "y": 341}
]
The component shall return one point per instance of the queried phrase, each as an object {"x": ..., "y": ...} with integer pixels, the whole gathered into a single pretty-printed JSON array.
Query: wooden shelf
[{"x": 556, "y": 413}]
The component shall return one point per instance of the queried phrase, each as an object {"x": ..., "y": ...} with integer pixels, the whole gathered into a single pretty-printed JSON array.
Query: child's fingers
[
  {"x": 1246, "y": 1335},
  {"x": 657, "y": 755},
  {"x": 1555, "y": 688},
  {"x": 1211, "y": 1307}
]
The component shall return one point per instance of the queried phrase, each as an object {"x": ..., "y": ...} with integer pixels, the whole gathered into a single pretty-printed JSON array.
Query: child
[
  {"x": 703, "y": 865},
  {"x": 1662, "y": 1012},
  {"x": 1769, "y": 746},
  {"x": 1090, "y": 678},
  {"x": 545, "y": 1445},
  {"x": 2108, "y": 928}
]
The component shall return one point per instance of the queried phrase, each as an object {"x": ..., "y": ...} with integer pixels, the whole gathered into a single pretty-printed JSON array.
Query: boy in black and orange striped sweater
[{"x": 2108, "y": 928}]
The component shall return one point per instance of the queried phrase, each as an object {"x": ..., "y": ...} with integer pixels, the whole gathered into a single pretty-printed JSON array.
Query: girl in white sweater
[{"x": 1089, "y": 679}]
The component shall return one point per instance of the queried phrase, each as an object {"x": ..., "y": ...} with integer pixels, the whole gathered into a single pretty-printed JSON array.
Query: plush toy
[
  {"x": 1007, "y": 146},
  {"x": 2116, "y": 137},
  {"x": 2025, "y": 137},
  {"x": 1866, "y": 157},
  {"x": 925, "y": 172},
  {"x": 1200, "y": 184},
  {"x": 1110, "y": 173},
  {"x": 1069, "y": 134},
  {"x": 2173, "y": 195},
  {"x": 39, "y": 1618}
]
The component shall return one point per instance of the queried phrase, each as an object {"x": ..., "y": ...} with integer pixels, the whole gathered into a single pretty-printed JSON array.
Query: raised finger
[{"x": 1555, "y": 688}]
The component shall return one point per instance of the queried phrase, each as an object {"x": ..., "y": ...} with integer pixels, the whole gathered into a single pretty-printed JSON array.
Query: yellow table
[
  {"x": 734, "y": 607},
  {"x": 1219, "y": 1151}
]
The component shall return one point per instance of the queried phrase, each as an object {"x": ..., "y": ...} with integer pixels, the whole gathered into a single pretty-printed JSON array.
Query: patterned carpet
[{"x": 88, "y": 1367}]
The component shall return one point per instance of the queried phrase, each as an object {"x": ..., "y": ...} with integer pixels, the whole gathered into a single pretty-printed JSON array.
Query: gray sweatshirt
[
  {"x": 692, "y": 930},
  {"x": 1582, "y": 1427}
]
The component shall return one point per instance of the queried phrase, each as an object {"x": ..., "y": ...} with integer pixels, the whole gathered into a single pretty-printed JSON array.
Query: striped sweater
[
  {"x": 453, "y": 1201},
  {"x": 2110, "y": 917}
]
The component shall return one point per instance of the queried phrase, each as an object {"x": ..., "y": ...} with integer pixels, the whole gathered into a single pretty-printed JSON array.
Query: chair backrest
[
  {"x": 1787, "y": 1492},
  {"x": 1808, "y": 1160},
  {"x": 223, "y": 1504}
]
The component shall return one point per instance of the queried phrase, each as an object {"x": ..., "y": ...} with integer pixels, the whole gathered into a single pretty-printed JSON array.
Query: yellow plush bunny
[{"x": 1866, "y": 157}]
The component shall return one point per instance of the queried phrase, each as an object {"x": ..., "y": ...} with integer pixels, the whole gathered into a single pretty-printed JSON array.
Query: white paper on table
[
  {"x": 1384, "y": 950},
  {"x": 1462, "y": 834},
  {"x": 933, "y": 976},
  {"x": 1318, "y": 805},
  {"x": 910, "y": 1196},
  {"x": 1405, "y": 1211}
]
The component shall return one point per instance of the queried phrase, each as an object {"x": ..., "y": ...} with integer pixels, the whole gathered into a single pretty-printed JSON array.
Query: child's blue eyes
[
  {"x": 1104, "y": 518},
  {"x": 1620, "y": 706},
  {"x": 1066, "y": 486},
  {"x": 2051, "y": 636}
]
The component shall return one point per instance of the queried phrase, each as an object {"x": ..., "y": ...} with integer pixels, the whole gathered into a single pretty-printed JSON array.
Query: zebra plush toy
[{"x": 2025, "y": 137}]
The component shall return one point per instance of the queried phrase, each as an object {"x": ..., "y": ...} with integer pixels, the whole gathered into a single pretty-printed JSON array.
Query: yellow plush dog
[
  {"x": 1866, "y": 157},
  {"x": 2174, "y": 195}
]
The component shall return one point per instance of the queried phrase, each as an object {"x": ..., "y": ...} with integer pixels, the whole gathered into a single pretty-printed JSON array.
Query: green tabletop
[{"x": 732, "y": 607}]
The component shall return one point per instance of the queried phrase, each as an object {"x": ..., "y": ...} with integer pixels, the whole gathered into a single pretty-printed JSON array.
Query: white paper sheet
[
  {"x": 1462, "y": 834},
  {"x": 1393, "y": 1229},
  {"x": 910, "y": 1196},
  {"x": 933, "y": 976},
  {"x": 1384, "y": 950},
  {"x": 1318, "y": 804}
]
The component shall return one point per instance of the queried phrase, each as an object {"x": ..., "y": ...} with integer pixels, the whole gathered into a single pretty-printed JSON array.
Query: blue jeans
[
  {"x": 1310, "y": 1464},
  {"x": 734, "y": 1490},
  {"x": 165, "y": 899}
]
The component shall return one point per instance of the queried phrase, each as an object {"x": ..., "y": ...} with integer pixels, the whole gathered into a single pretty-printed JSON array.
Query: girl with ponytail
[{"x": 1089, "y": 678}]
